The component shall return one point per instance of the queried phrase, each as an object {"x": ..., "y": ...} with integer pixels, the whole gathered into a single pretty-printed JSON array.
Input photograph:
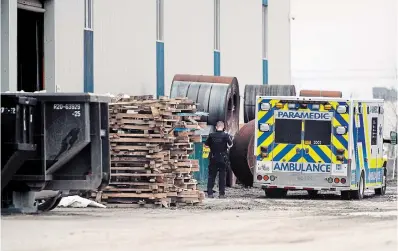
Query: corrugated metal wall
[
  {"x": 188, "y": 38},
  {"x": 279, "y": 42},
  {"x": 125, "y": 46},
  {"x": 69, "y": 45},
  {"x": 334, "y": 43},
  {"x": 241, "y": 42}
]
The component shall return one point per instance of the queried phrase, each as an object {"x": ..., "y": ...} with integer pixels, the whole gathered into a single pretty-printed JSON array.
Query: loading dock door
[{"x": 30, "y": 46}]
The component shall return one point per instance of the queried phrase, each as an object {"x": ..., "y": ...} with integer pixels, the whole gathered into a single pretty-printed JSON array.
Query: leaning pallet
[{"x": 151, "y": 141}]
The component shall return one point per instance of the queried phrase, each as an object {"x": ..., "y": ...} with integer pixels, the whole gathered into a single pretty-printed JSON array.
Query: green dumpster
[{"x": 203, "y": 173}]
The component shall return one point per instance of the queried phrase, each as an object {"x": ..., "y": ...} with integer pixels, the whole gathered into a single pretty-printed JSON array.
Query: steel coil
[
  {"x": 251, "y": 91},
  {"x": 320, "y": 93},
  {"x": 242, "y": 154},
  {"x": 251, "y": 158},
  {"x": 219, "y": 96}
]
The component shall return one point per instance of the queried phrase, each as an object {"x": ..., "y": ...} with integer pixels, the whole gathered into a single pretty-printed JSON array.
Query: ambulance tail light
[
  {"x": 264, "y": 151},
  {"x": 304, "y": 106},
  {"x": 342, "y": 109},
  {"x": 315, "y": 107},
  {"x": 292, "y": 106},
  {"x": 265, "y": 106},
  {"x": 264, "y": 127},
  {"x": 340, "y": 157},
  {"x": 340, "y": 130},
  {"x": 343, "y": 180},
  {"x": 336, "y": 180},
  {"x": 266, "y": 177},
  {"x": 279, "y": 105},
  {"x": 259, "y": 177},
  {"x": 340, "y": 151},
  {"x": 327, "y": 107},
  {"x": 272, "y": 178}
]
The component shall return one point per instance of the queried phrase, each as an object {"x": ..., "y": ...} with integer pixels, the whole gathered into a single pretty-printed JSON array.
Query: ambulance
[{"x": 319, "y": 143}]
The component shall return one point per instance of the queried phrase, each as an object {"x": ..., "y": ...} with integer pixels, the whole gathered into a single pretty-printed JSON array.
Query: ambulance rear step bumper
[{"x": 345, "y": 188}]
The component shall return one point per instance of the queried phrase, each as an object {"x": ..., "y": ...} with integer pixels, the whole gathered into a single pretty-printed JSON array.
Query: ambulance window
[
  {"x": 317, "y": 132},
  {"x": 288, "y": 131}
]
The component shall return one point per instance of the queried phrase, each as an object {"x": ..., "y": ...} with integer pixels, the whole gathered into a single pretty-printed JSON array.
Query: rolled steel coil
[
  {"x": 219, "y": 96},
  {"x": 251, "y": 91},
  {"x": 241, "y": 154},
  {"x": 251, "y": 158},
  {"x": 320, "y": 93}
]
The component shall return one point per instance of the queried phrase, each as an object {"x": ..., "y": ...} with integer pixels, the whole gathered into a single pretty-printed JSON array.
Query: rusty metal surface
[
  {"x": 320, "y": 93},
  {"x": 251, "y": 159},
  {"x": 239, "y": 153},
  {"x": 204, "y": 79}
]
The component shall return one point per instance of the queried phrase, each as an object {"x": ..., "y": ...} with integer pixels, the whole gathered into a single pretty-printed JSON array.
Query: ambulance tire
[
  {"x": 382, "y": 190},
  {"x": 275, "y": 193},
  {"x": 313, "y": 193},
  {"x": 358, "y": 194}
]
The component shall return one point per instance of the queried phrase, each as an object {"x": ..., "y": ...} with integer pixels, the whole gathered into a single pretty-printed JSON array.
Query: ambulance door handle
[{"x": 307, "y": 150}]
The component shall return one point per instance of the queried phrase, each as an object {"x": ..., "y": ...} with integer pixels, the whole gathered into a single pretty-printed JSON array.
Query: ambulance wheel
[
  {"x": 358, "y": 194},
  {"x": 382, "y": 190},
  {"x": 312, "y": 193},
  {"x": 275, "y": 193}
]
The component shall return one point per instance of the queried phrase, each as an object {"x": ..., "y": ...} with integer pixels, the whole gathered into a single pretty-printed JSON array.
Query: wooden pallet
[{"x": 149, "y": 157}]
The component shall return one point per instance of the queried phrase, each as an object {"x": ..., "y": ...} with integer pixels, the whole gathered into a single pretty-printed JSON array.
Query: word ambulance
[
  {"x": 301, "y": 167},
  {"x": 319, "y": 144}
]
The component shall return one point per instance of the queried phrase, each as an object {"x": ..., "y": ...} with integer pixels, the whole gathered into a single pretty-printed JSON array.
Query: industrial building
[
  {"x": 137, "y": 46},
  {"x": 118, "y": 116}
]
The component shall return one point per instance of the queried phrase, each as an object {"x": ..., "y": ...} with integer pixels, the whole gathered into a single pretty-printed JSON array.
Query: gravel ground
[{"x": 243, "y": 221}]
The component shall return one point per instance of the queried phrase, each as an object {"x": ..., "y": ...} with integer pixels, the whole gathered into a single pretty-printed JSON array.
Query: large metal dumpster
[{"x": 52, "y": 141}]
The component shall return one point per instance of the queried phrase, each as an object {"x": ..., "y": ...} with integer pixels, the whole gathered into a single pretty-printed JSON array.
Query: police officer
[{"x": 219, "y": 142}]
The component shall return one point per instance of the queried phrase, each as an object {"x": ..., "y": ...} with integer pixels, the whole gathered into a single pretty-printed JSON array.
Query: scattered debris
[{"x": 77, "y": 201}]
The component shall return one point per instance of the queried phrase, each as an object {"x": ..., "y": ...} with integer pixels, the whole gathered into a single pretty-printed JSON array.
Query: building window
[
  {"x": 265, "y": 31},
  {"x": 159, "y": 20},
  {"x": 217, "y": 25},
  {"x": 88, "y": 14}
]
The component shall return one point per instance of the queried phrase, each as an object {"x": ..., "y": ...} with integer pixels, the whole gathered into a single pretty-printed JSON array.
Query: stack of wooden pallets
[{"x": 151, "y": 141}]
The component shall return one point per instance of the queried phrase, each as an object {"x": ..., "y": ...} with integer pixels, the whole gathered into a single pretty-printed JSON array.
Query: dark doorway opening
[{"x": 30, "y": 51}]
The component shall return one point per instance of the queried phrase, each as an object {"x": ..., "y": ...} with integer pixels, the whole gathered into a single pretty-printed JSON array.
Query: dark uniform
[{"x": 218, "y": 158}]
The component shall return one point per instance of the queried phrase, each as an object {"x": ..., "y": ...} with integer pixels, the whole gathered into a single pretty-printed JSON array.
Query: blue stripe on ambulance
[
  {"x": 308, "y": 158},
  {"x": 321, "y": 154},
  {"x": 268, "y": 115},
  {"x": 264, "y": 136},
  {"x": 362, "y": 139},
  {"x": 282, "y": 153},
  {"x": 358, "y": 168},
  {"x": 296, "y": 157}
]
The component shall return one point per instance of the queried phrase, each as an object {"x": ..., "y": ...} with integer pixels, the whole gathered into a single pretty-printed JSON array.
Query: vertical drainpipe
[
  {"x": 88, "y": 47},
  {"x": 265, "y": 42},
  {"x": 159, "y": 48},
  {"x": 217, "y": 59}
]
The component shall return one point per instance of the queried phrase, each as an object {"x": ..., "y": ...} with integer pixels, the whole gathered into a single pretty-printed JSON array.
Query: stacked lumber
[{"x": 151, "y": 141}]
